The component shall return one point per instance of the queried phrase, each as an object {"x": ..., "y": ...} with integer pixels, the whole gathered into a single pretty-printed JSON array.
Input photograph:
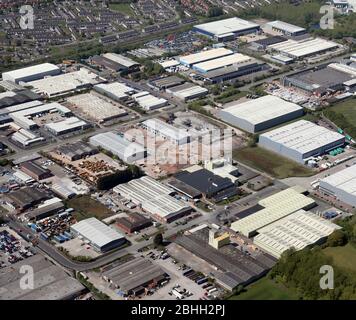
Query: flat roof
[
  {"x": 226, "y": 26},
  {"x": 166, "y": 129},
  {"x": 285, "y": 26},
  {"x": 303, "y": 136},
  {"x": 205, "y": 55},
  {"x": 261, "y": 109},
  {"x": 116, "y": 89},
  {"x": 66, "y": 124},
  {"x": 97, "y": 232},
  {"x": 236, "y": 58},
  {"x": 120, "y": 59},
  {"x": 32, "y": 70}
]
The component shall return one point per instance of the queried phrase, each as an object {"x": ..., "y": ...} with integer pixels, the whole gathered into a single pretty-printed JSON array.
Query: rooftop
[
  {"x": 236, "y": 58},
  {"x": 205, "y": 55},
  {"x": 291, "y": 28}
]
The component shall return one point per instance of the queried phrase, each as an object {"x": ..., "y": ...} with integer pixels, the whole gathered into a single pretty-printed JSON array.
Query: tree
[
  {"x": 158, "y": 239},
  {"x": 336, "y": 239},
  {"x": 215, "y": 12}
]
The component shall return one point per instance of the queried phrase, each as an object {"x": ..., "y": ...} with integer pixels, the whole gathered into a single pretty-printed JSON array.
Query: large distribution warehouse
[
  {"x": 275, "y": 207},
  {"x": 260, "y": 114},
  {"x": 284, "y": 28},
  {"x": 341, "y": 185},
  {"x": 227, "y": 29},
  {"x": 191, "y": 59},
  {"x": 301, "y": 140},
  {"x": 31, "y": 73},
  {"x": 298, "y": 230}
]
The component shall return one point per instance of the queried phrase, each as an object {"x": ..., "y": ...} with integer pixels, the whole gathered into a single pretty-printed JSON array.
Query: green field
[
  {"x": 343, "y": 257},
  {"x": 271, "y": 163},
  {"x": 347, "y": 108},
  {"x": 86, "y": 207},
  {"x": 121, "y": 7},
  {"x": 266, "y": 289}
]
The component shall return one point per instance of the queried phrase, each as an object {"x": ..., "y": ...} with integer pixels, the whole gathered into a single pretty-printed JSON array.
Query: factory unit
[
  {"x": 275, "y": 207},
  {"x": 262, "y": 44},
  {"x": 154, "y": 198},
  {"x": 126, "y": 63},
  {"x": 116, "y": 90},
  {"x": 226, "y": 29},
  {"x": 304, "y": 48},
  {"x": 25, "y": 198},
  {"x": 101, "y": 237},
  {"x": 48, "y": 209},
  {"x": 260, "y": 114},
  {"x": 26, "y": 138},
  {"x": 203, "y": 56},
  {"x": 167, "y": 82},
  {"x": 301, "y": 140},
  {"x": 166, "y": 131},
  {"x": 188, "y": 91},
  {"x": 133, "y": 276},
  {"x": 149, "y": 102},
  {"x": 341, "y": 185},
  {"x": 75, "y": 151},
  {"x": 11, "y": 98},
  {"x": 223, "y": 168},
  {"x": 217, "y": 240},
  {"x": 68, "y": 125},
  {"x": 117, "y": 144},
  {"x": 133, "y": 222},
  {"x": 284, "y": 28},
  {"x": 35, "y": 171},
  {"x": 31, "y": 73},
  {"x": 298, "y": 230}
]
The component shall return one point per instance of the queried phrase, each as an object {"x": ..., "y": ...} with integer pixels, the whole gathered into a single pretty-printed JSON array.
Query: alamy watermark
[
  {"x": 27, "y": 281},
  {"x": 27, "y": 17},
  {"x": 327, "y": 280}
]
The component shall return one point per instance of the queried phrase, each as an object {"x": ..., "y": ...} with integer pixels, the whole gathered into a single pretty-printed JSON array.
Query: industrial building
[
  {"x": 301, "y": 140},
  {"x": 10, "y": 98},
  {"x": 24, "y": 117},
  {"x": 223, "y": 168},
  {"x": 154, "y": 198},
  {"x": 149, "y": 102},
  {"x": 101, "y": 237},
  {"x": 298, "y": 230},
  {"x": 188, "y": 91},
  {"x": 48, "y": 208},
  {"x": 304, "y": 48},
  {"x": 203, "y": 56},
  {"x": 133, "y": 276},
  {"x": 117, "y": 144},
  {"x": 319, "y": 81},
  {"x": 35, "y": 171},
  {"x": 96, "y": 108},
  {"x": 167, "y": 82},
  {"x": 50, "y": 281},
  {"x": 341, "y": 185},
  {"x": 25, "y": 198},
  {"x": 65, "y": 83},
  {"x": 262, "y": 44},
  {"x": 227, "y": 29},
  {"x": 133, "y": 222},
  {"x": 68, "y": 125},
  {"x": 260, "y": 114},
  {"x": 116, "y": 91},
  {"x": 126, "y": 63},
  {"x": 26, "y": 138},
  {"x": 196, "y": 181},
  {"x": 31, "y": 73},
  {"x": 75, "y": 151},
  {"x": 166, "y": 131},
  {"x": 284, "y": 28},
  {"x": 275, "y": 207}
]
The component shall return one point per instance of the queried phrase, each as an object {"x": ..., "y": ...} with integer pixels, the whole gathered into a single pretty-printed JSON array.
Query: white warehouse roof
[
  {"x": 96, "y": 232},
  {"x": 37, "y": 71},
  {"x": 115, "y": 90},
  {"x": 120, "y": 59},
  {"x": 205, "y": 56},
  {"x": 285, "y": 26},
  {"x": 297, "y": 231},
  {"x": 226, "y": 26},
  {"x": 66, "y": 125}
]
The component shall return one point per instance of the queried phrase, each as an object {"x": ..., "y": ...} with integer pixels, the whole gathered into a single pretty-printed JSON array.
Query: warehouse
[
  {"x": 69, "y": 125},
  {"x": 105, "y": 63},
  {"x": 154, "y": 198},
  {"x": 188, "y": 91},
  {"x": 26, "y": 138},
  {"x": 260, "y": 114},
  {"x": 10, "y": 98},
  {"x": 75, "y": 151},
  {"x": 305, "y": 48},
  {"x": 96, "y": 108},
  {"x": 126, "y": 63},
  {"x": 31, "y": 73},
  {"x": 203, "y": 56},
  {"x": 234, "y": 71},
  {"x": 167, "y": 82},
  {"x": 35, "y": 171},
  {"x": 100, "y": 236},
  {"x": 65, "y": 83},
  {"x": 275, "y": 207},
  {"x": 132, "y": 277},
  {"x": 23, "y": 177},
  {"x": 25, "y": 198},
  {"x": 319, "y": 81},
  {"x": 298, "y": 230},
  {"x": 116, "y": 90},
  {"x": 234, "y": 59},
  {"x": 167, "y": 131},
  {"x": 21, "y": 106},
  {"x": 149, "y": 102},
  {"x": 50, "y": 281},
  {"x": 133, "y": 222},
  {"x": 262, "y": 44},
  {"x": 196, "y": 181},
  {"x": 341, "y": 185},
  {"x": 284, "y": 28},
  {"x": 227, "y": 29},
  {"x": 301, "y": 140},
  {"x": 46, "y": 210},
  {"x": 126, "y": 150}
]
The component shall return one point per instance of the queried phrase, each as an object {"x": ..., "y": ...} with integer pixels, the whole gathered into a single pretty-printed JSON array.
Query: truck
[{"x": 177, "y": 294}]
